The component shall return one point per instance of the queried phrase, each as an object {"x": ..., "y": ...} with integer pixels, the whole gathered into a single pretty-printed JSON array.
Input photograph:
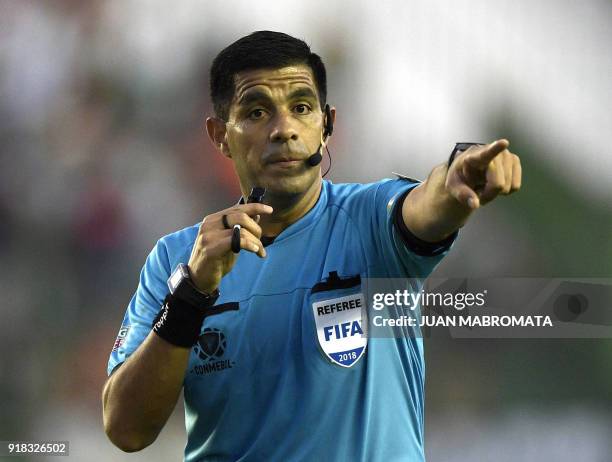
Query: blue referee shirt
[{"x": 271, "y": 377}]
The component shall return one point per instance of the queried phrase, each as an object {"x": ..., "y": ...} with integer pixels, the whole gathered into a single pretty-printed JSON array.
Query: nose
[{"x": 283, "y": 129}]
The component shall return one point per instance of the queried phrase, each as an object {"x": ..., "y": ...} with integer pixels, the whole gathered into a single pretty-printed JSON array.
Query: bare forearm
[
  {"x": 430, "y": 212},
  {"x": 140, "y": 396}
]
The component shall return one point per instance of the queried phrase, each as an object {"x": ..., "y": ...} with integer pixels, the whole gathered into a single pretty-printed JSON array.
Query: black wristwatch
[{"x": 181, "y": 286}]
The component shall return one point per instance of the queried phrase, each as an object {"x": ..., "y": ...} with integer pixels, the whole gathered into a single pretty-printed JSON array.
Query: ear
[{"x": 215, "y": 128}]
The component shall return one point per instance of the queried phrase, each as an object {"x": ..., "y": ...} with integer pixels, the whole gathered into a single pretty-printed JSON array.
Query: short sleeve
[
  {"x": 392, "y": 251},
  {"x": 143, "y": 307}
]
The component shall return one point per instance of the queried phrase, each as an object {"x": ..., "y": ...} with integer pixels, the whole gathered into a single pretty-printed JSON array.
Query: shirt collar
[{"x": 310, "y": 217}]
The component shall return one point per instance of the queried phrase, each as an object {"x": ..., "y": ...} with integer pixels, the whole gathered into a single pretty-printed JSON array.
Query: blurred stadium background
[{"x": 102, "y": 151}]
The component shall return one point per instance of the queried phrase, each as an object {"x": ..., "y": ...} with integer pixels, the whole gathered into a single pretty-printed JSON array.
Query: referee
[{"x": 256, "y": 311}]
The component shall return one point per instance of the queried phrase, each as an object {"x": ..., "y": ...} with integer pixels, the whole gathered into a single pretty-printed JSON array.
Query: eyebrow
[
  {"x": 257, "y": 95},
  {"x": 302, "y": 93},
  {"x": 252, "y": 97}
]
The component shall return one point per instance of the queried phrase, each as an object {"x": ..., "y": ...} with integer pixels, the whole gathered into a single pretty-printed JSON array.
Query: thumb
[{"x": 464, "y": 194}]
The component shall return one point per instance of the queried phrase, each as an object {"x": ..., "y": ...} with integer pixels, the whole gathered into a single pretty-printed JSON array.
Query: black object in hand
[{"x": 256, "y": 195}]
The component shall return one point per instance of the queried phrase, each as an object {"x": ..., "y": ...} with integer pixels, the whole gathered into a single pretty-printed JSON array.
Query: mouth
[
  {"x": 289, "y": 163},
  {"x": 285, "y": 161}
]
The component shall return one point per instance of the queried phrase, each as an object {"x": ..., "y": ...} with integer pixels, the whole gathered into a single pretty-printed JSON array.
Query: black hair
[{"x": 260, "y": 50}]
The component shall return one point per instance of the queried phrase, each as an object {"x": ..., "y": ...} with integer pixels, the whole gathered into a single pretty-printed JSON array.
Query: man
[{"x": 248, "y": 335}]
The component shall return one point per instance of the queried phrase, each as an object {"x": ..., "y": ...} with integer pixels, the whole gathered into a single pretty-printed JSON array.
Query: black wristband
[
  {"x": 418, "y": 246},
  {"x": 178, "y": 322}
]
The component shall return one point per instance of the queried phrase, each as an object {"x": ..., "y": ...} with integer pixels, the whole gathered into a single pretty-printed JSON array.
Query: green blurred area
[{"x": 572, "y": 235}]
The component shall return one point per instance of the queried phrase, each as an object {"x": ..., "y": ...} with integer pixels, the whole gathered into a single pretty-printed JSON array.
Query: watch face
[
  {"x": 182, "y": 288},
  {"x": 179, "y": 274},
  {"x": 175, "y": 279}
]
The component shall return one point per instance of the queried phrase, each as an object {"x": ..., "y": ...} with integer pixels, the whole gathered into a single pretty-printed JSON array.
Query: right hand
[{"x": 212, "y": 256}]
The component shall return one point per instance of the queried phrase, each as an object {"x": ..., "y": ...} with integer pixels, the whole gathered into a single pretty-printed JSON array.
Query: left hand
[{"x": 479, "y": 174}]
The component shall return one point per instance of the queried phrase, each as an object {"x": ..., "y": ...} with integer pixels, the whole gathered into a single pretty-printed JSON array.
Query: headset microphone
[{"x": 316, "y": 158}]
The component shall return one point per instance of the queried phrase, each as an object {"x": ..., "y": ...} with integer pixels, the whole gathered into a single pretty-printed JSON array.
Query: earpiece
[
  {"x": 328, "y": 123},
  {"x": 328, "y": 129}
]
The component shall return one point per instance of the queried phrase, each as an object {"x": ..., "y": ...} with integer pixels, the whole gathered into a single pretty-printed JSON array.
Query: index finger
[
  {"x": 253, "y": 208},
  {"x": 490, "y": 151}
]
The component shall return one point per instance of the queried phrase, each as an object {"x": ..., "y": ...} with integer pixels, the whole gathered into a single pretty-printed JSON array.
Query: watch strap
[{"x": 182, "y": 287}]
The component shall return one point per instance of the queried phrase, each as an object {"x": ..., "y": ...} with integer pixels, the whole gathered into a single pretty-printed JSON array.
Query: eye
[
  {"x": 256, "y": 114},
  {"x": 302, "y": 109}
]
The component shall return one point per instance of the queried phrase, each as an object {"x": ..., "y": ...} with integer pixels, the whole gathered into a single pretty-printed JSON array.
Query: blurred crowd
[{"x": 100, "y": 158}]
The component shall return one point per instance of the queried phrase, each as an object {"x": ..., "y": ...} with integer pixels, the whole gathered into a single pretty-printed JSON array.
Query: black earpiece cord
[{"x": 330, "y": 162}]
